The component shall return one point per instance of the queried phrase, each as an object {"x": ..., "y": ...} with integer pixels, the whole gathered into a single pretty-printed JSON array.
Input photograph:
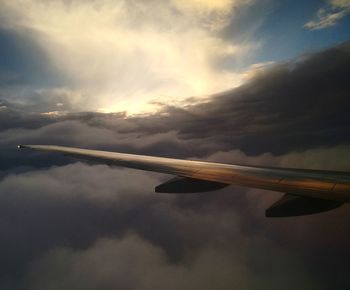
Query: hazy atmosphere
[{"x": 234, "y": 81}]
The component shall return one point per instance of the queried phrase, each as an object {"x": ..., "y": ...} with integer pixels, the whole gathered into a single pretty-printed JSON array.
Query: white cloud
[
  {"x": 330, "y": 158},
  {"x": 330, "y": 16},
  {"x": 122, "y": 54}
]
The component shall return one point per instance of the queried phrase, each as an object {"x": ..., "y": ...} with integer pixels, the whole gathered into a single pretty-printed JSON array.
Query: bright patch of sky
[{"x": 124, "y": 55}]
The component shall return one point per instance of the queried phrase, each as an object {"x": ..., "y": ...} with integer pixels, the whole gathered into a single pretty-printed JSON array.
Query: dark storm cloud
[
  {"x": 292, "y": 106},
  {"x": 16, "y": 116},
  {"x": 77, "y": 226}
]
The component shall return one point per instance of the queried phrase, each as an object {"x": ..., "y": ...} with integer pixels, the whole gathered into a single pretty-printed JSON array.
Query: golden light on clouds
[{"x": 122, "y": 54}]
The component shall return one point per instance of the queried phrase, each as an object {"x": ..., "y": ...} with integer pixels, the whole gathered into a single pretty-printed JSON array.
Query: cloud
[
  {"x": 87, "y": 227},
  {"x": 330, "y": 16},
  {"x": 69, "y": 225},
  {"x": 280, "y": 110},
  {"x": 332, "y": 158},
  {"x": 71, "y": 215},
  {"x": 214, "y": 15},
  {"x": 93, "y": 227},
  {"x": 121, "y": 55},
  {"x": 133, "y": 263}
]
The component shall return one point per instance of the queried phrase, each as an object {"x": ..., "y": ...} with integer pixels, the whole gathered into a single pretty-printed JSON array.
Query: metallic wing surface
[{"x": 307, "y": 191}]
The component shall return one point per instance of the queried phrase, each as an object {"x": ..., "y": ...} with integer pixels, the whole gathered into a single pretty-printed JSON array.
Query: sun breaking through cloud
[{"x": 121, "y": 55}]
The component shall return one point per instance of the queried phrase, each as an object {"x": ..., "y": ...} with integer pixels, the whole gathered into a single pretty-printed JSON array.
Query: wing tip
[{"x": 23, "y": 146}]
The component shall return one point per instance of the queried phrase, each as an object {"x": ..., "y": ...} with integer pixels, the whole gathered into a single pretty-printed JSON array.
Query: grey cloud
[
  {"x": 74, "y": 221},
  {"x": 45, "y": 209},
  {"x": 291, "y": 106},
  {"x": 53, "y": 222},
  {"x": 133, "y": 263},
  {"x": 332, "y": 158}
]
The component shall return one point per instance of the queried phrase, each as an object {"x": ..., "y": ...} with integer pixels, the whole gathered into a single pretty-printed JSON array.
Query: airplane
[{"x": 305, "y": 191}]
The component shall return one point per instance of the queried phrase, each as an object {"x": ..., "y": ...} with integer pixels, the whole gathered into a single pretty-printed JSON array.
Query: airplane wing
[{"x": 306, "y": 191}]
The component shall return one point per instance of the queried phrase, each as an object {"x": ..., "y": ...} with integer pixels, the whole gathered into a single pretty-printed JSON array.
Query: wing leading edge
[{"x": 317, "y": 184}]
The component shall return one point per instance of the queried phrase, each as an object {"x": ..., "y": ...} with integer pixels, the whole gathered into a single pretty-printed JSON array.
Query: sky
[{"x": 235, "y": 81}]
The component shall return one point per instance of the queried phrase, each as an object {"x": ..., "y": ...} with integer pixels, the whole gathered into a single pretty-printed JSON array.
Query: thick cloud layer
[
  {"x": 52, "y": 225},
  {"x": 78, "y": 226}
]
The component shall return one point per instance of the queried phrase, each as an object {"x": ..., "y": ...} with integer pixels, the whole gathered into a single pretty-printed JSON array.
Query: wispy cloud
[{"x": 329, "y": 16}]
